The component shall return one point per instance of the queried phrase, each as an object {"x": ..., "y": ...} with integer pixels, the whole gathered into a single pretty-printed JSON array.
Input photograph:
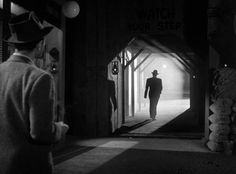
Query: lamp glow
[{"x": 164, "y": 66}]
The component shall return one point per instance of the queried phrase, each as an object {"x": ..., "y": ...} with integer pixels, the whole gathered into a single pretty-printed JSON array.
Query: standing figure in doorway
[
  {"x": 154, "y": 86},
  {"x": 28, "y": 127}
]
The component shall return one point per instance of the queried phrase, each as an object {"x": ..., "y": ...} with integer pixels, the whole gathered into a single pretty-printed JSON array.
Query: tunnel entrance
[
  {"x": 175, "y": 96},
  {"x": 178, "y": 113}
]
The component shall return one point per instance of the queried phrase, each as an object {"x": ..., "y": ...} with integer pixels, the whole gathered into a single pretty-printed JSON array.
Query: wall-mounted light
[
  {"x": 53, "y": 68},
  {"x": 70, "y": 9},
  {"x": 115, "y": 67}
]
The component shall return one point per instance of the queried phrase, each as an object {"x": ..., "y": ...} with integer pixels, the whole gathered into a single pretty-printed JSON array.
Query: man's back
[
  {"x": 27, "y": 125},
  {"x": 155, "y": 86},
  {"x": 18, "y": 153}
]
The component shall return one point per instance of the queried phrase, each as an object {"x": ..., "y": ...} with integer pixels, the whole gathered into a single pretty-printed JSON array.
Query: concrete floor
[
  {"x": 136, "y": 152},
  {"x": 141, "y": 155},
  {"x": 167, "y": 111}
]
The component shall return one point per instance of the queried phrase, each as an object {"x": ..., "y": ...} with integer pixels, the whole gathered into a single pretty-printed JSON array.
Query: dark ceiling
[{"x": 45, "y": 9}]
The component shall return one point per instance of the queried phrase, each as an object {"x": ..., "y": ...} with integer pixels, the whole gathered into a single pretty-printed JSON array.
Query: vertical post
[
  {"x": 62, "y": 69},
  {"x": 5, "y": 29},
  {"x": 123, "y": 86},
  {"x": 139, "y": 88},
  {"x": 207, "y": 103},
  {"x": 213, "y": 60},
  {"x": 132, "y": 89}
]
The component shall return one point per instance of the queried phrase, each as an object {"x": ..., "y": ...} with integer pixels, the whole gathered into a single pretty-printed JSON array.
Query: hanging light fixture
[{"x": 70, "y": 9}]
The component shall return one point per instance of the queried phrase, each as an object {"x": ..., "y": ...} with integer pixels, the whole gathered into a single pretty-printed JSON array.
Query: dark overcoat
[
  {"x": 27, "y": 128},
  {"x": 154, "y": 85}
]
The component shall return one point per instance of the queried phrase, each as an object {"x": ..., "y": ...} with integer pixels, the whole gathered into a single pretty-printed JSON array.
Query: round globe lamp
[{"x": 71, "y": 9}]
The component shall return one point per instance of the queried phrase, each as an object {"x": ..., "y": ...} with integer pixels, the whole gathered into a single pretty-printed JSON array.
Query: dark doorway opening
[{"x": 177, "y": 112}]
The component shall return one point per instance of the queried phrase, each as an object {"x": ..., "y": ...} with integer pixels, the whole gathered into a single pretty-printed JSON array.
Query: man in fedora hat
[
  {"x": 27, "y": 113},
  {"x": 154, "y": 86}
]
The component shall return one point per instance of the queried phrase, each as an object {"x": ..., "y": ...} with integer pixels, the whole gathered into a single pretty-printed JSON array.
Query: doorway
[{"x": 177, "y": 114}]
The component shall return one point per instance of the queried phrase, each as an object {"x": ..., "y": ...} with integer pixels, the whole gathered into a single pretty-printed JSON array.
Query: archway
[{"x": 178, "y": 113}]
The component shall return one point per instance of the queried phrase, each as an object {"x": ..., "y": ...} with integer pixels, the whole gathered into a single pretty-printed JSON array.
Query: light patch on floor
[
  {"x": 185, "y": 145},
  {"x": 120, "y": 144},
  {"x": 167, "y": 110},
  {"x": 106, "y": 149},
  {"x": 88, "y": 161}
]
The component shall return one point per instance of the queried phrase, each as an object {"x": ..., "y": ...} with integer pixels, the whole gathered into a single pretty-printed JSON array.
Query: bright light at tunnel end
[{"x": 164, "y": 66}]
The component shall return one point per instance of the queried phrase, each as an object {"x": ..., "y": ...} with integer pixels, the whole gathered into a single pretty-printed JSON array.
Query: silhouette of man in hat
[
  {"x": 27, "y": 112},
  {"x": 153, "y": 88}
]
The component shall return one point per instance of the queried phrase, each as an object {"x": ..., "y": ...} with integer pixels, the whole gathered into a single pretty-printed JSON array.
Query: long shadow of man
[{"x": 112, "y": 101}]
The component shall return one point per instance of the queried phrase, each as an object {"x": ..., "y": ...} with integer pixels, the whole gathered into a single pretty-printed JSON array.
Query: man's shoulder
[
  {"x": 39, "y": 71},
  {"x": 159, "y": 80},
  {"x": 32, "y": 73},
  {"x": 153, "y": 79},
  {"x": 156, "y": 80}
]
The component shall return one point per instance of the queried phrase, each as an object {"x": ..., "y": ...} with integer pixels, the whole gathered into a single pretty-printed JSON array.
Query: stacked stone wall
[{"x": 222, "y": 137}]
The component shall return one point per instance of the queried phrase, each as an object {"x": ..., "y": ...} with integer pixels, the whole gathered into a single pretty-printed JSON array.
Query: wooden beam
[
  {"x": 134, "y": 57},
  {"x": 147, "y": 56},
  {"x": 193, "y": 63},
  {"x": 147, "y": 65},
  {"x": 185, "y": 63}
]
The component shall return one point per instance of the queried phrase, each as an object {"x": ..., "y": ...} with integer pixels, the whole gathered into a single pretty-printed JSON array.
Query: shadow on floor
[
  {"x": 68, "y": 148},
  {"x": 127, "y": 128},
  {"x": 185, "y": 125},
  {"x": 140, "y": 161},
  {"x": 185, "y": 122}
]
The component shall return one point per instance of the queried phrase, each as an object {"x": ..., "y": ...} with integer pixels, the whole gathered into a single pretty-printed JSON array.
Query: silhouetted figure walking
[{"x": 154, "y": 85}]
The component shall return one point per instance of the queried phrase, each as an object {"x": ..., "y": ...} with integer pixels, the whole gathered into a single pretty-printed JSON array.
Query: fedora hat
[
  {"x": 26, "y": 28},
  {"x": 155, "y": 72}
]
